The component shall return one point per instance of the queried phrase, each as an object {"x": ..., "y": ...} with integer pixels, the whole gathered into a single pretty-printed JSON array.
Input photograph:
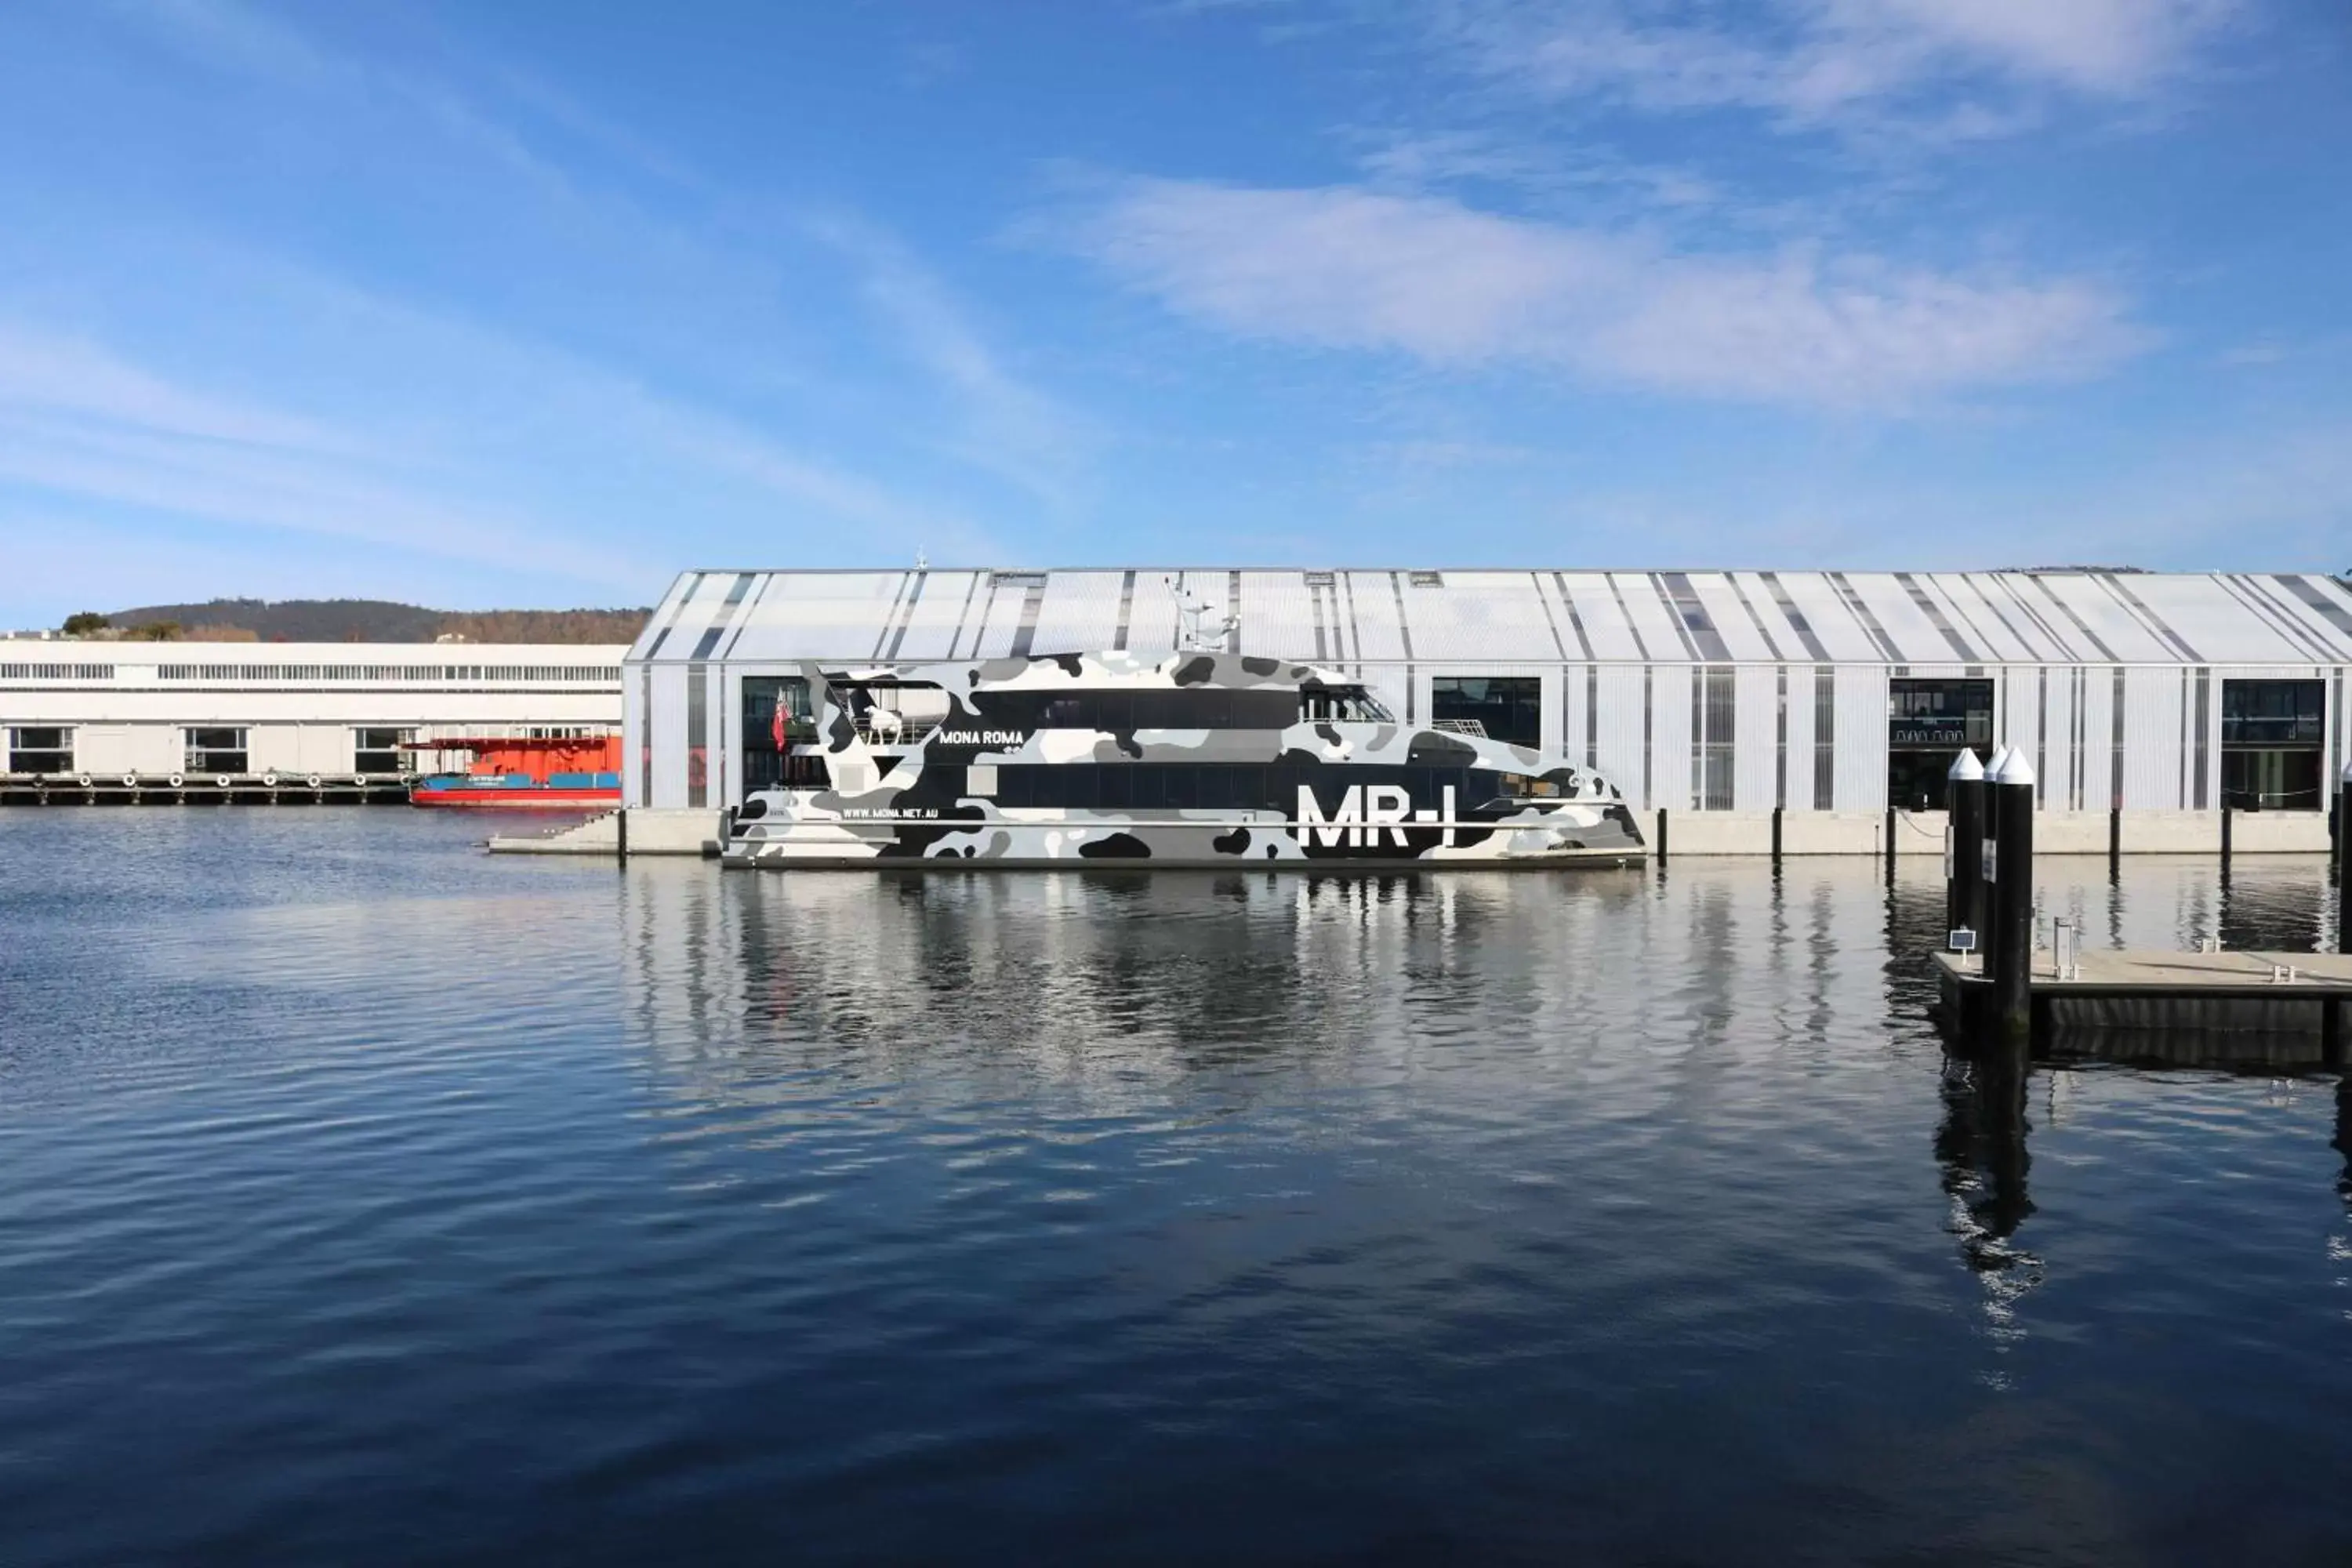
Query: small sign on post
[
  {"x": 1991, "y": 860},
  {"x": 1962, "y": 941}
]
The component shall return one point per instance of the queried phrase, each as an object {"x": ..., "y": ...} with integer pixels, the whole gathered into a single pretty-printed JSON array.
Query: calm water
[{"x": 366, "y": 1200}]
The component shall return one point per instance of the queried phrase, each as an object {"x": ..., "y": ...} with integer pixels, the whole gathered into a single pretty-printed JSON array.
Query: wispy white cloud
[
  {"x": 672, "y": 221},
  {"x": 1811, "y": 61},
  {"x": 45, "y": 371},
  {"x": 1435, "y": 280},
  {"x": 1007, "y": 426}
]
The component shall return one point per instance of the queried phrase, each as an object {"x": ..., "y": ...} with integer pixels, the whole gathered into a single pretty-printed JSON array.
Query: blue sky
[{"x": 535, "y": 303}]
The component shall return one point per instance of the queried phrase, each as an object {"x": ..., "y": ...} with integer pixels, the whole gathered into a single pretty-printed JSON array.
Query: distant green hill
[{"x": 381, "y": 620}]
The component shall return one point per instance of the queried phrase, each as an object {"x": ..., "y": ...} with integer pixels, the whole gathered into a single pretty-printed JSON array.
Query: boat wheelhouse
[{"x": 1196, "y": 759}]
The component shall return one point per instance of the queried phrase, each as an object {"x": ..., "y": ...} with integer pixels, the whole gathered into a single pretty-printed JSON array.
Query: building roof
[{"x": 1542, "y": 615}]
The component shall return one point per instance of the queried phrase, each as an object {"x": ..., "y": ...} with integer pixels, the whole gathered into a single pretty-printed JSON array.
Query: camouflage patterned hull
[{"x": 1200, "y": 760}]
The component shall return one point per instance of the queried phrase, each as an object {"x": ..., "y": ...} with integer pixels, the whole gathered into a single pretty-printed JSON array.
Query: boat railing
[
  {"x": 887, "y": 726},
  {"x": 1461, "y": 726}
]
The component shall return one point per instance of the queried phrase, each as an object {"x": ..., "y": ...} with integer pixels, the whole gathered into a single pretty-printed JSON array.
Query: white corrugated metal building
[
  {"x": 1703, "y": 691},
  {"x": 126, "y": 710}
]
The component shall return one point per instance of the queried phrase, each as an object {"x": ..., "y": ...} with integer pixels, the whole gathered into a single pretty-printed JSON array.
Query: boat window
[
  {"x": 1119, "y": 712},
  {"x": 1342, "y": 705}
]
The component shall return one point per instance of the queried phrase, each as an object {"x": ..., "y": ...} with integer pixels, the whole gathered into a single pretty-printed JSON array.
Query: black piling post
[
  {"x": 1662, "y": 837},
  {"x": 1890, "y": 846},
  {"x": 2344, "y": 862},
  {"x": 1964, "y": 846},
  {"x": 2339, "y": 828},
  {"x": 1776, "y": 840},
  {"x": 2225, "y": 838},
  {"x": 2115, "y": 841},
  {"x": 2012, "y": 898},
  {"x": 622, "y": 817}
]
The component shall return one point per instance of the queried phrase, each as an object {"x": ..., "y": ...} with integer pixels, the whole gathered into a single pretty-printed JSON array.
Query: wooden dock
[{"x": 2242, "y": 1007}]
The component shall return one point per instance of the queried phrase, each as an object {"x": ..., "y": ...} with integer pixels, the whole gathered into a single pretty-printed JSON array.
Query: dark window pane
[{"x": 1506, "y": 708}]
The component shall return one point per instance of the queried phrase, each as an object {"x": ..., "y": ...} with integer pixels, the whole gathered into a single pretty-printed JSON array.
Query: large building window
[
  {"x": 40, "y": 751},
  {"x": 378, "y": 751},
  {"x": 1504, "y": 707},
  {"x": 776, "y": 716},
  {"x": 216, "y": 751},
  {"x": 1929, "y": 723},
  {"x": 2272, "y": 733}
]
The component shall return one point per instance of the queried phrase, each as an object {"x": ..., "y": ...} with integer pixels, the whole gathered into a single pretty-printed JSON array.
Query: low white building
[{"x": 141, "y": 714}]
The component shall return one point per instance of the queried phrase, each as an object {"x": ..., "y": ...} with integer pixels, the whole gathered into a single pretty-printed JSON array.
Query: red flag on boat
[{"x": 776, "y": 730}]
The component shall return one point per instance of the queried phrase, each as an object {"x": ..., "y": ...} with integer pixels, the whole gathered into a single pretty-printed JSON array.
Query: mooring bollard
[
  {"x": 1964, "y": 845},
  {"x": 2012, "y": 898}
]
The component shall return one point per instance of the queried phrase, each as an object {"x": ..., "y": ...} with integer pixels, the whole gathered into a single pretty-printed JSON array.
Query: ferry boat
[
  {"x": 1196, "y": 759},
  {"x": 539, "y": 773}
]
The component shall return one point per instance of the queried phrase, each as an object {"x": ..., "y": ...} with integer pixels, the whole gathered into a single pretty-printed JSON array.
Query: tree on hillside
[{"x": 84, "y": 623}]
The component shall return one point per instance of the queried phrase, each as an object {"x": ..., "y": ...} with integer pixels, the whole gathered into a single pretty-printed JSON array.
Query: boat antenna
[{"x": 1193, "y": 636}]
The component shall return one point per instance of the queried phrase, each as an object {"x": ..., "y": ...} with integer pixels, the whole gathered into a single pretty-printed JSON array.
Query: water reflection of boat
[{"x": 1200, "y": 758}]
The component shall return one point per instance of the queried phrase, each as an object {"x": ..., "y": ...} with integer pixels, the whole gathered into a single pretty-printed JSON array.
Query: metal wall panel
[
  {"x": 1833, "y": 624},
  {"x": 1906, "y": 625},
  {"x": 933, "y": 625},
  {"x": 1795, "y": 786},
  {"x": 997, "y": 620},
  {"x": 1661, "y": 630},
  {"x": 1732, "y": 621},
  {"x": 1582, "y": 727},
  {"x": 835, "y": 617},
  {"x": 1368, "y": 602},
  {"x": 1756, "y": 737},
  {"x": 1993, "y": 638},
  {"x": 1862, "y": 710},
  {"x": 2119, "y": 630},
  {"x": 1595, "y": 607},
  {"x": 2152, "y": 740},
  {"x": 680, "y": 586},
  {"x": 1766, "y": 607},
  {"x": 1278, "y": 617},
  {"x": 669, "y": 736},
  {"x": 1080, "y": 611},
  {"x": 1670, "y": 732},
  {"x": 1620, "y": 730},
  {"x": 2055, "y": 764},
  {"x": 2045, "y": 631},
  {"x": 633, "y": 717},
  {"x": 1479, "y": 616}
]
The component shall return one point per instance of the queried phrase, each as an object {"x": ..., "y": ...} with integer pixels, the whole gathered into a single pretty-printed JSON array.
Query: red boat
[{"x": 560, "y": 772}]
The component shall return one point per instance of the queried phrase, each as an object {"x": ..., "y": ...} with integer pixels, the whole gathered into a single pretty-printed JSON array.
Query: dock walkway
[{"x": 2146, "y": 992}]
